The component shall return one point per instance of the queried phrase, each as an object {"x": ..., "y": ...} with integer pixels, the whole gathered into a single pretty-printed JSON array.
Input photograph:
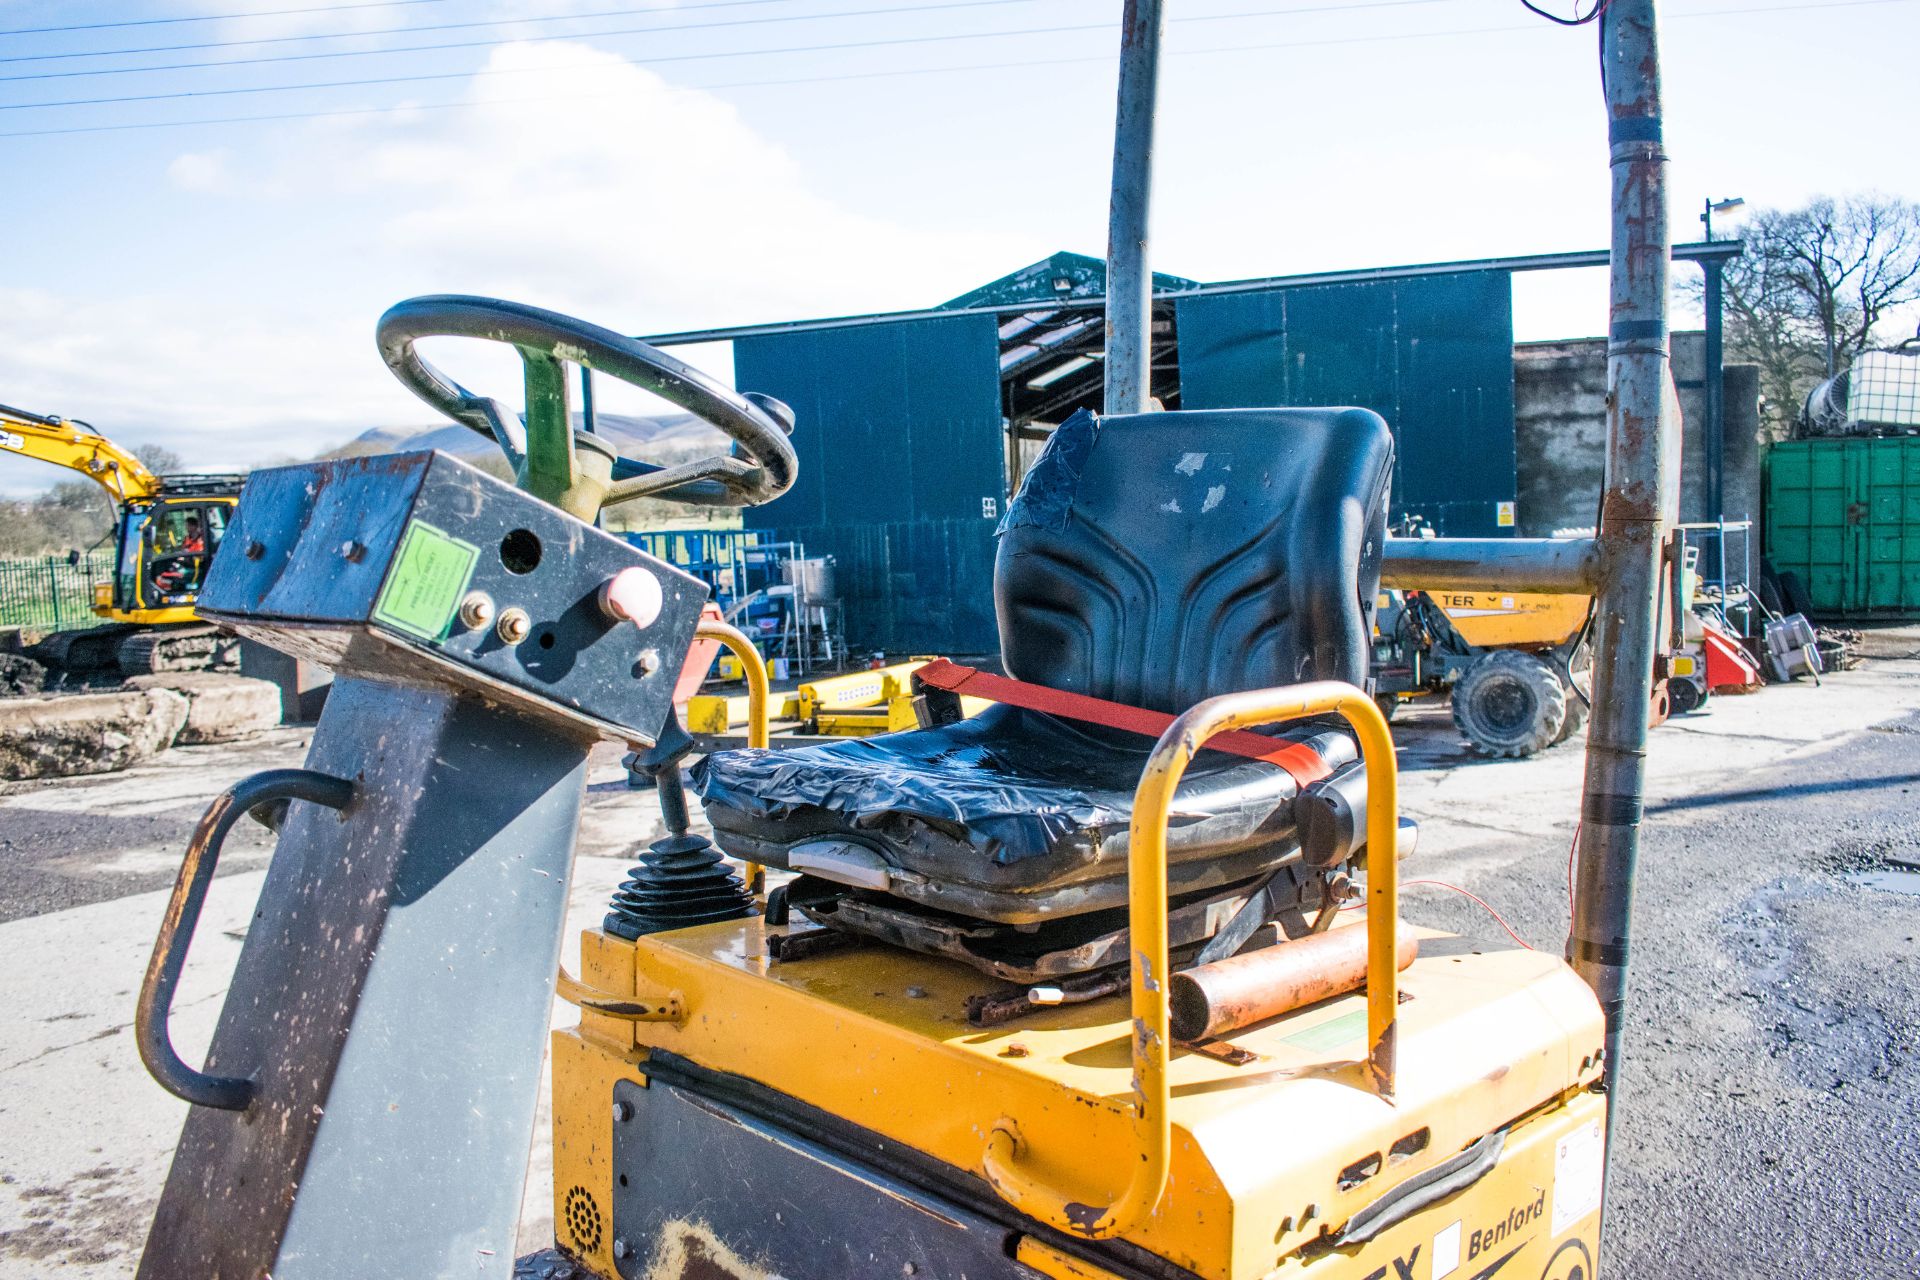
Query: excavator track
[
  {"x": 82, "y": 652},
  {"x": 190, "y": 648}
]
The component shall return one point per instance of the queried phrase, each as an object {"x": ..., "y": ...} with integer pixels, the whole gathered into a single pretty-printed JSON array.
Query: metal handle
[
  {"x": 668, "y": 1007},
  {"x": 758, "y": 696},
  {"x": 183, "y": 913},
  {"x": 752, "y": 665},
  {"x": 635, "y": 1008},
  {"x": 1147, "y": 932}
]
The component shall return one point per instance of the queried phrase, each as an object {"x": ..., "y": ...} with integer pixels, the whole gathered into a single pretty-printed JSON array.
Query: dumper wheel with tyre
[
  {"x": 1510, "y": 703},
  {"x": 1576, "y": 677},
  {"x": 1577, "y": 709}
]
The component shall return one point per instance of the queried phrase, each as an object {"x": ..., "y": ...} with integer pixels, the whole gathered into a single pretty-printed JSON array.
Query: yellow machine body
[
  {"x": 1496, "y": 620},
  {"x": 856, "y": 704},
  {"x": 1278, "y": 1137}
]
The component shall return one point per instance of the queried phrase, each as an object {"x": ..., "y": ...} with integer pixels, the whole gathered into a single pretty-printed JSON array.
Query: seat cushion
[{"x": 1011, "y": 815}]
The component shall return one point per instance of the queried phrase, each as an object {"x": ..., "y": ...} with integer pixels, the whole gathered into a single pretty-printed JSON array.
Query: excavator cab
[{"x": 173, "y": 542}]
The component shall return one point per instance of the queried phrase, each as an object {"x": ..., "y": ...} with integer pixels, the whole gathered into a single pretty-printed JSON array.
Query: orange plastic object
[{"x": 699, "y": 660}]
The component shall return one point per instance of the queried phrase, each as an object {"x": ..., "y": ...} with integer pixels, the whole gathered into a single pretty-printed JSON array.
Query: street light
[{"x": 1717, "y": 206}]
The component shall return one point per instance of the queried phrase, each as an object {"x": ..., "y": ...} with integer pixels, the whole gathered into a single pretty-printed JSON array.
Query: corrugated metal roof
[{"x": 1698, "y": 252}]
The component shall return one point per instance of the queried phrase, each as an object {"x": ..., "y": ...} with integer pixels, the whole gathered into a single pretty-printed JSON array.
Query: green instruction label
[{"x": 428, "y": 578}]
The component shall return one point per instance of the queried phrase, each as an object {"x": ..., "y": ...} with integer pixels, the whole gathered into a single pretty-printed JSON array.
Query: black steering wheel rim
[{"x": 756, "y": 429}]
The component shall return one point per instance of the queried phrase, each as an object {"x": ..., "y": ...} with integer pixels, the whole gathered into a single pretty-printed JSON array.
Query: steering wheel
[{"x": 575, "y": 471}]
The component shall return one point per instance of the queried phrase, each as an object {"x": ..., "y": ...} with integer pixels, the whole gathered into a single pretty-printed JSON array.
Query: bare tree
[
  {"x": 1814, "y": 288},
  {"x": 159, "y": 459},
  {"x": 1852, "y": 260}
]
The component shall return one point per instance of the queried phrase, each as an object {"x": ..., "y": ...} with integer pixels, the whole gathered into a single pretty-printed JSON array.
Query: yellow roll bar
[
  {"x": 755, "y": 670},
  {"x": 1147, "y": 931},
  {"x": 667, "y": 1007},
  {"x": 758, "y": 696}
]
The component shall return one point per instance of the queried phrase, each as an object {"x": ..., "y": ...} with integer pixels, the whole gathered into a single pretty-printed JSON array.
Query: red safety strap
[{"x": 1304, "y": 763}]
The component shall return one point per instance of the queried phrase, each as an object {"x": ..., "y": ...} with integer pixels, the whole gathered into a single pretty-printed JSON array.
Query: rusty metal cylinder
[{"x": 1214, "y": 999}]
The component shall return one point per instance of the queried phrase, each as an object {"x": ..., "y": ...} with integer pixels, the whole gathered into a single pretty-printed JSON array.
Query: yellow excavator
[
  {"x": 166, "y": 530},
  {"x": 1105, "y": 982}
]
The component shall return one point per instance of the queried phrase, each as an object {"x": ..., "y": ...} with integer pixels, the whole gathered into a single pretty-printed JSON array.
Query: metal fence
[{"x": 53, "y": 593}]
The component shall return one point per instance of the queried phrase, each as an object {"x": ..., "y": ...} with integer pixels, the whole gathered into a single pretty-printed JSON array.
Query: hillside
[{"x": 667, "y": 437}]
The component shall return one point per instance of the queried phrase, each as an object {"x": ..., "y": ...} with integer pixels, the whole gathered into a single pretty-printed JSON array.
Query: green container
[{"x": 1844, "y": 515}]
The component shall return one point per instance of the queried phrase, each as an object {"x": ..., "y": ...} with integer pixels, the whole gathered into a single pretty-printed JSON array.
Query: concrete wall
[{"x": 1560, "y": 428}]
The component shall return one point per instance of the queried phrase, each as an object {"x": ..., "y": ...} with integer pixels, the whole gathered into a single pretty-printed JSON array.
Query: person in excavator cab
[{"x": 186, "y": 565}]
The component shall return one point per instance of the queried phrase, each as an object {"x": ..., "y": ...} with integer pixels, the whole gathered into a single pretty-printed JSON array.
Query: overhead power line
[
  {"x": 540, "y": 39},
  {"x": 213, "y": 17},
  {"x": 895, "y": 73},
  {"x": 627, "y": 11},
  {"x": 833, "y": 47}
]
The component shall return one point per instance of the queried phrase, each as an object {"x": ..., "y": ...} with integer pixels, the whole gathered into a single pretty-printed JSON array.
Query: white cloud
[
  {"x": 650, "y": 205},
  {"x": 202, "y": 171},
  {"x": 219, "y": 386},
  {"x": 649, "y": 208}
]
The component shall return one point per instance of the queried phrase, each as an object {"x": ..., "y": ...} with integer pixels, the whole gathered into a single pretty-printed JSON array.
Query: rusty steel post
[
  {"x": 1129, "y": 371},
  {"x": 1635, "y": 513}
]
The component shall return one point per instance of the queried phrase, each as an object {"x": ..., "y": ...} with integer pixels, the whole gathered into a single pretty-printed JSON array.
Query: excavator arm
[{"x": 66, "y": 443}]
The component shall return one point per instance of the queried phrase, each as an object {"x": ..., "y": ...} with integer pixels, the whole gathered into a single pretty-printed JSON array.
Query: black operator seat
[{"x": 1150, "y": 559}]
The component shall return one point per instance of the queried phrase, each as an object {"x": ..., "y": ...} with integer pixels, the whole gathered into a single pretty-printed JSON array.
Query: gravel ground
[{"x": 1766, "y": 1121}]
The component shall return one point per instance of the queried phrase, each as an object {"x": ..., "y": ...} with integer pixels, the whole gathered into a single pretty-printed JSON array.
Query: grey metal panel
[
  {"x": 389, "y": 1005},
  {"x": 1431, "y": 354},
  {"x": 700, "y": 1183},
  {"x": 442, "y": 1070}
]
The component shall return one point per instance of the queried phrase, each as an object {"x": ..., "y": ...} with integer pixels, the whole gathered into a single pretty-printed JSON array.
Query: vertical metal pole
[
  {"x": 1716, "y": 399},
  {"x": 1633, "y": 518},
  {"x": 1129, "y": 371},
  {"x": 589, "y": 425}
]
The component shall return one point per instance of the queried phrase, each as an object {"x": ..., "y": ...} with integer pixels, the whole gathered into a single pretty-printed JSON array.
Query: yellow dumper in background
[{"x": 1508, "y": 662}]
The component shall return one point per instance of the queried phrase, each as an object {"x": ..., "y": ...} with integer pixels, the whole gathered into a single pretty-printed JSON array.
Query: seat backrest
[{"x": 1157, "y": 559}]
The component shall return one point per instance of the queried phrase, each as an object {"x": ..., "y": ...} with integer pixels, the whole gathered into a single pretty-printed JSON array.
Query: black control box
[{"x": 417, "y": 567}]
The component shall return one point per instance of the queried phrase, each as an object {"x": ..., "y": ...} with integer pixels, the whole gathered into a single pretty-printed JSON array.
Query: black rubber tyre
[
  {"x": 1510, "y": 704},
  {"x": 1685, "y": 695},
  {"x": 1577, "y": 709}
]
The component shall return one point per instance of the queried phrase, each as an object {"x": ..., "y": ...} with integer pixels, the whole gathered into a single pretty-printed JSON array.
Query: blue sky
[{"x": 213, "y": 286}]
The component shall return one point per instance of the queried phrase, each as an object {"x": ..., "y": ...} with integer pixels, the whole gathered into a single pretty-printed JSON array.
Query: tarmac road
[{"x": 1766, "y": 1125}]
